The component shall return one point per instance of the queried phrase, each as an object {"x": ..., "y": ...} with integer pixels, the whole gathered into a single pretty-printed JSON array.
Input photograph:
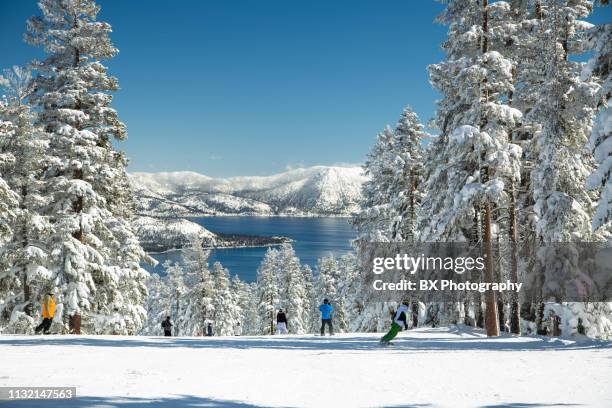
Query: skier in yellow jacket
[{"x": 48, "y": 312}]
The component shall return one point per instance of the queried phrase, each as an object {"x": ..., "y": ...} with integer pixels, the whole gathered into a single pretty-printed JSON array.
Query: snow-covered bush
[{"x": 20, "y": 323}]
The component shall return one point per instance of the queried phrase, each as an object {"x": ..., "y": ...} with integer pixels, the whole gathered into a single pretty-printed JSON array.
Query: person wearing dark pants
[
  {"x": 330, "y": 327},
  {"x": 48, "y": 313},
  {"x": 326, "y": 310},
  {"x": 167, "y": 326},
  {"x": 45, "y": 325}
]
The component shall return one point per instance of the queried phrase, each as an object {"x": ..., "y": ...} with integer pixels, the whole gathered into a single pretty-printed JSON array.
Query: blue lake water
[{"x": 313, "y": 238}]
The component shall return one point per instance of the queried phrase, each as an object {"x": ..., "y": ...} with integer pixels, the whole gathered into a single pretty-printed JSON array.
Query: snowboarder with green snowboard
[{"x": 399, "y": 320}]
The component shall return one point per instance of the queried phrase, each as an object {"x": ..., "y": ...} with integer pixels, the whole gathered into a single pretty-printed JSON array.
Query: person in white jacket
[
  {"x": 238, "y": 329},
  {"x": 399, "y": 322}
]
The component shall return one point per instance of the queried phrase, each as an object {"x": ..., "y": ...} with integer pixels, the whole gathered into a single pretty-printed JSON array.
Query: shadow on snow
[
  {"x": 180, "y": 401},
  {"x": 526, "y": 405},
  {"x": 190, "y": 401}
]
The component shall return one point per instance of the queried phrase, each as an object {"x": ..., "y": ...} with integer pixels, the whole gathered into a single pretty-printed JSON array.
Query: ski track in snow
[{"x": 443, "y": 367}]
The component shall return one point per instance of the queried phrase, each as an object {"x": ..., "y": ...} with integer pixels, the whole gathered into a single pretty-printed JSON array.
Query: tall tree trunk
[
  {"x": 176, "y": 320},
  {"x": 411, "y": 213},
  {"x": 467, "y": 320},
  {"x": 27, "y": 290},
  {"x": 491, "y": 318},
  {"x": 515, "y": 308},
  {"x": 540, "y": 324},
  {"x": 77, "y": 207},
  {"x": 526, "y": 182},
  {"x": 271, "y": 316},
  {"x": 415, "y": 315},
  {"x": 74, "y": 321},
  {"x": 501, "y": 316},
  {"x": 477, "y": 298},
  {"x": 27, "y": 294},
  {"x": 564, "y": 41}
]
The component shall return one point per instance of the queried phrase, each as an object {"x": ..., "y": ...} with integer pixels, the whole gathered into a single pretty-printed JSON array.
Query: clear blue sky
[{"x": 246, "y": 87}]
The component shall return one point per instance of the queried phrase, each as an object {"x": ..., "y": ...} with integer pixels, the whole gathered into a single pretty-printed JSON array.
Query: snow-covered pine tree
[
  {"x": 391, "y": 196},
  {"x": 174, "y": 293},
  {"x": 96, "y": 259},
  {"x": 497, "y": 119},
  {"x": 364, "y": 310},
  {"x": 434, "y": 215},
  {"x": 347, "y": 277},
  {"x": 24, "y": 255},
  {"x": 518, "y": 41},
  {"x": 374, "y": 222},
  {"x": 198, "y": 299},
  {"x": 158, "y": 305},
  {"x": 474, "y": 83},
  {"x": 325, "y": 279},
  {"x": 600, "y": 142},
  {"x": 565, "y": 107},
  {"x": 392, "y": 192},
  {"x": 474, "y": 154},
  {"x": 267, "y": 292},
  {"x": 9, "y": 282},
  {"x": 310, "y": 316},
  {"x": 226, "y": 310},
  {"x": 406, "y": 192},
  {"x": 292, "y": 292},
  {"x": 328, "y": 279},
  {"x": 529, "y": 42},
  {"x": 124, "y": 300},
  {"x": 243, "y": 295},
  {"x": 528, "y": 45},
  {"x": 185, "y": 293}
]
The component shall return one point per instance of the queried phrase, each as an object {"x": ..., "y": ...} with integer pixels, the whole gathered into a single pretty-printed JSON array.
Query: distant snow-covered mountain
[{"x": 313, "y": 191}]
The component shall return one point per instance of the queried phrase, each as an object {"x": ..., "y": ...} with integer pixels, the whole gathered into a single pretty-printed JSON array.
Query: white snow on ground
[{"x": 425, "y": 368}]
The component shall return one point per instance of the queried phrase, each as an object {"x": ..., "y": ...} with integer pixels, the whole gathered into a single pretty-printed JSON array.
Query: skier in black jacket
[
  {"x": 281, "y": 322},
  {"x": 167, "y": 326}
]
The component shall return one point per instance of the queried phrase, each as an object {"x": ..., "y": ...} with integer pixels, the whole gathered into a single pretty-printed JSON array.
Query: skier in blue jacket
[{"x": 326, "y": 309}]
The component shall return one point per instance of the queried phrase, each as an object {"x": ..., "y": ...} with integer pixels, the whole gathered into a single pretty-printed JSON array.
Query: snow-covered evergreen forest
[{"x": 519, "y": 151}]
